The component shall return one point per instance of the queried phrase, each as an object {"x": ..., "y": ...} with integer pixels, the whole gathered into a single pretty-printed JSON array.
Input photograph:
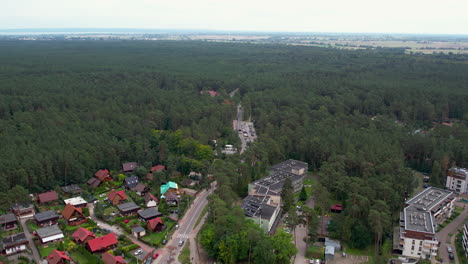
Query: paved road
[
  {"x": 29, "y": 236},
  {"x": 170, "y": 253},
  {"x": 451, "y": 229},
  {"x": 300, "y": 234}
]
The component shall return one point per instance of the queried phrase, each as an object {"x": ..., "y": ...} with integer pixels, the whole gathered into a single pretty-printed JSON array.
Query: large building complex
[
  {"x": 457, "y": 180},
  {"x": 263, "y": 204},
  {"x": 419, "y": 220}
]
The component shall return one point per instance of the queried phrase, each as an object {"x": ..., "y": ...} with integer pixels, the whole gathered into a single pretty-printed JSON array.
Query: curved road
[{"x": 451, "y": 228}]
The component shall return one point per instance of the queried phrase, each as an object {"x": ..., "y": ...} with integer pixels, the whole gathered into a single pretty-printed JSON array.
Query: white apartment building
[{"x": 457, "y": 180}]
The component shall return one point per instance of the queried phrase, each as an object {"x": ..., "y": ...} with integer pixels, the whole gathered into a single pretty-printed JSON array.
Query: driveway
[
  {"x": 451, "y": 228},
  {"x": 300, "y": 234},
  {"x": 29, "y": 236}
]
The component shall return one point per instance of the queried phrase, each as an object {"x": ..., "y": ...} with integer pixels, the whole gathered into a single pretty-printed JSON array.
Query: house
[
  {"x": 73, "y": 215},
  {"x": 47, "y": 197},
  {"x": 83, "y": 235},
  {"x": 156, "y": 225},
  {"x": 13, "y": 244},
  {"x": 418, "y": 222},
  {"x": 94, "y": 182},
  {"x": 334, "y": 243},
  {"x": 129, "y": 167},
  {"x": 76, "y": 201},
  {"x": 171, "y": 199},
  {"x": 58, "y": 257},
  {"x": 49, "y": 234},
  {"x": 212, "y": 93},
  {"x": 141, "y": 189},
  {"x": 103, "y": 175},
  {"x": 72, "y": 189},
  {"x": 189, "y": 182},
  {"x": 148, "y": 214},
  {"x": 150, "y": 200},
  {"x": 23, "y": 210},
  {"x": 8, "y": 221},
  {"x": 158, "y": 168},
  {"x": 131, "y": 182},
  {"x": 116, "y": 197},
  {"x": 128, "y": 209},
  {"x": 108, "y": 258},
  {"x": 457, "y": 180},
  {"x": 138, "y": 231},
  {"x": 195, "y": 176},
  {"x": 104, "y": 243},
  {"x": 46, "y": 218},
  {"x": 336, "y": 208},
  {"x": 169, "y": 187},
  {"x": 329, "y": 253}
]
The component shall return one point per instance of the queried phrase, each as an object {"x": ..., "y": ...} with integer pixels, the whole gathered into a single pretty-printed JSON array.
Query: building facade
[{"x": 457, "y": 180}]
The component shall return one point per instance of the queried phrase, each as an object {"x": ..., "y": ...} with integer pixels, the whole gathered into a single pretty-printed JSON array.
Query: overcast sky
[{"x": 390, "y": 16}]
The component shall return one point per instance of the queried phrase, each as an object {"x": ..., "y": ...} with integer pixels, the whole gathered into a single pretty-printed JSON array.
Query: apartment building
[{"x": 457, "y": 180}]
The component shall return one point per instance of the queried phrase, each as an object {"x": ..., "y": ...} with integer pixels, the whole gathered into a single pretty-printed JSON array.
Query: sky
[{"x": 366, "y": 16}]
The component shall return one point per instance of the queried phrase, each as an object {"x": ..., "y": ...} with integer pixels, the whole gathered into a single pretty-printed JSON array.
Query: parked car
[
  {"x": 311, "y": 261},
  {"x": 155, "y": 256},
  {"x": 451, "y": 256},
  {"x": 449, "y": 249},
  {"x": 317, "y": 261},
  {"x": 181, "y": 243},
  {"x": 164, "y": 242},
  {"x": 138, "y": 252},
  {"x": 392, "y": 261},
  {"x": 176, "y": 227}
]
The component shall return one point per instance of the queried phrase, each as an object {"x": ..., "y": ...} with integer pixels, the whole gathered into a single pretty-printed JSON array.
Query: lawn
[
  {"x": 44, "y": 252},
  {"x": 81, "y": 258},
  {"x": 369, "y": 251},
  {"x": 315, "y": 252},
  {"x": 156, "y": 238}
]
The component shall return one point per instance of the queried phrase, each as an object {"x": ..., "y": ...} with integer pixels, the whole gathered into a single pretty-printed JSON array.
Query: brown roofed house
[
  {"x": 103, "y": 243},
  {"x": 150, "y": 200},
  {"x": 94, "y": 182},
  {"x": 108, "y": 258},
  {"x": 83, "y": 235},
  {"x": 47, "y": 197},
  {"x": 129, "y": 166},
  {"x": 8, "y": 221},
  {"x": 156, "y": 224},
  {"x": 73, "y": 215},
  {"x": 171, "y": 199},
  {"x": 23, "y": 210},
  {"x": 103, "y": 175},
  {"x": 116, "y": 197},
  {"x": 141, "y": 189},
  {"x": 58, "y": 257}
]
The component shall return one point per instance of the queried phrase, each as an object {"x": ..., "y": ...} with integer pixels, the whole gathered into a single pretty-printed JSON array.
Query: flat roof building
[
  {"x": 457, "y": 180},
  {"x": 263, "y": 210}
]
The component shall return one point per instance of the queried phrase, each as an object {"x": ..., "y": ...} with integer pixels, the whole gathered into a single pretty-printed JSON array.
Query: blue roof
[{"x": 165, "y": 187}]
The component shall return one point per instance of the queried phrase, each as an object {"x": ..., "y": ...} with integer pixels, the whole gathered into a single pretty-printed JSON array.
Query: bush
[{"x": 130, "y": 248}]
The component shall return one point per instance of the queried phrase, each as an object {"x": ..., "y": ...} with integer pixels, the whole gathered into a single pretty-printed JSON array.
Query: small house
[
  {"x": 72, "y": 189},
  {"x": 58, "y": 257},
  {"x": 334, "y": 243},
  {"x": 23, "y": 210},
  {"x": 150, "y": 200},
  {"x": 171, "y": 199},
  {"x": 329, "y": 252},
  {"x": 13, "y": 244},
  {"x": 131, "y": 182},
  {"x": 103, "y": 175},
  {"x": 138, "y": 231},
  {"x": 46, "y": 218},
  {"x": 8, "y": 221},
  {"x": 76, "y": 201},
  {"x": 128, "y": 209},
  {"x": 49, "y": 234},
  {"x": 158, "y": 168},
  {"x": 94, "y": 182},
  {"x": 83, "y": 235},
  {"x": 195, "y": 176},
  {"x": 169, "y": 187},
  {"x": 336, "y": 208},
  {"x": 47, "y": 197},
  {"x": 148, "y": 214},
  {"x": 129, "y": 166},
  {"x": 73, "y": 215},
  {"x": 141, "y": 189},
  {"x": 104, "y": 243},
  {"x": 156, "y": 225},
  {"x": 116, "y": 197},
  {"x": 108, "y": 258}
]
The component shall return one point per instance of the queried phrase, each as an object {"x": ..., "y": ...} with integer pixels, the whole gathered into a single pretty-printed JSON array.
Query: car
[
  {"x": 426, "y": 185},
  {"x": 171, "y": 211},
  {"x": 138, "y": 252},
  {"x": 155, "y": 256},
  {"x": 126, "y": 221},
  {"x": 451, "y": 256},
  {"x": 311, "y": 261},
  {"x": 164, "y": 242},
  {"x": 317, "y": 261},
  {"x": 449, "y": 249},
  {"x": 176, "y": 227},
  {"x": 392, "y": 261},
  {"x": 181, "y": 243}
]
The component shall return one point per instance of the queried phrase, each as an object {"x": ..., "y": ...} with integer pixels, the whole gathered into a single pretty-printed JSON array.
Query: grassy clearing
[
  {"x": 315, "y": 252},
  {"x": 45, "y": 251},
  {"x": 184, "y": 256}
]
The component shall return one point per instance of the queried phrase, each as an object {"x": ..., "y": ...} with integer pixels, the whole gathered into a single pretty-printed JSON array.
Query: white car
[
  {"x": 138, "y": 252},
  {"x": 311, "y": 261}
]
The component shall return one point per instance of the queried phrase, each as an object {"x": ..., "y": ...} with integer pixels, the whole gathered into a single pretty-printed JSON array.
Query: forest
[{"x": 362, "y": 119}]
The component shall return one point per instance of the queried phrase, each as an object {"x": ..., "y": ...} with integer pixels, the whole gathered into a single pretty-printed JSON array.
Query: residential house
[
  {"x": 457, "y": 180},
  {"x": 47, "y": 197},
  {"x": 104, "y": 243},
  {"x": 195, "y": 176},
  {"x": 158, "y": 168},
  {"x": 156, "y": 224},
  {"x": 336, "y": 208},
  {"x": 141, "y": 189},
  {"x": 169, "y": 187},
  {"x": 419, "y": 220},
  {"x": 72, "y": 189},
  {"x": 8, "y": 221},
  {"x": 49, "y": 234},
  {"x": 334, "y": 243},
  {"x": 171, "y": 199},
  {"x": 138, "y": 231},
  {"x": 13, "y": 244},
  {"x": 103, "y": 175},
  {"x": 58, "y": 257},
  {"x": 76, "y": 201},
  {"x": 108, "y": 258},
  {"x": 23, "y": 210},
  {"x": 116, "y": 197},
  {"x": 129, "y": 167},
  {"x": 329, "y": 253},
  {"x": 73, "y": 215},
  {"x": 148, "y": 214},
  {"x": 128, "y": 209},
  {"x": 46, "y": 218},
  {"x": 150, "y": 200},
  {"x": 83, "y": 235},
  {"x": 131, "y": 182},
  {"x": 94, "y": 182}
]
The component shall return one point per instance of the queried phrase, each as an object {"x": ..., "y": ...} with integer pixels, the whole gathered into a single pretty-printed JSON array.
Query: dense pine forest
[{"x": 362, "y": 119}]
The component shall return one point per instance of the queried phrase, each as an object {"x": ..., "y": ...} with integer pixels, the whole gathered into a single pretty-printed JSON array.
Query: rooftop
[
  {"x": 138, "y": 229},
  {"x": 44, "y": 216},
  {"x": 429, "y": 198},
  {"x": 275, "y": 181},
  {"x": 71, "y": 188},
  {"x": 75, "y": 201},
  {"x": 131, "y": 181},
  {"x": 47, "y": 197},
  {"x": 7, "y": 218},
  {"x": 130, "y": 206},
  {"x": 256, "y": 206},
  {"x": 458, "y": 172},
  {"x": 290, "y": 165},
  {"x": 150, "y": 212},
  {"x": 14, "y": 240},
  {"x": 48, "y": 231},
  {"x": 417, "y": 219}
]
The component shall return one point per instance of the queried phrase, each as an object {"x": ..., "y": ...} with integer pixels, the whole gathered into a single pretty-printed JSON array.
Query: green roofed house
[{"x": 169, "y": 187}]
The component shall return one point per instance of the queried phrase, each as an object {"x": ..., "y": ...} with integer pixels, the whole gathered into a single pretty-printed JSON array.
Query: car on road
[
  {"x": 181, "y": 243},
  {"x": 317, "y": 261},
  {"x": 176, "y": 227},
  {"x": 138, "y": 252},
  {"x": 392, "y": 261},
  {"x": 311, "y": 261},
  {"x": 155, "y": 256},
  {"x": 451, "y": 256},
  {"x": 449, "y": 249}
]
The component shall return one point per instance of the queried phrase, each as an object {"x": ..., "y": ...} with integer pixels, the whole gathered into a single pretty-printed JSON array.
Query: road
[
  {"x": 246, "y": 130},
  {"x": 451, "y": 228},
  {"x": 29, "y": 236},
  {"x": 170, "y": 253},
  {"x": 301, "y": 245}
]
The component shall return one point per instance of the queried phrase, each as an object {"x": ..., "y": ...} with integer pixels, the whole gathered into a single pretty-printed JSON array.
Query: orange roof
[
  {"x": 108, "y": 258},
  {"x": 153, "y": 223},
  {"x": 56, "y": 256},
  {"x": 101, "y": 174},
  {"x": 103, "y": 242},
  {"x": 114, "y": 193},
  {"x": 82, "y": 233},
  {"x": 69, "y": 210}
]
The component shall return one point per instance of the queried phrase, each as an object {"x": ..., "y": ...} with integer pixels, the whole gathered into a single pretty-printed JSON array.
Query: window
[
  {"x": 412, "y": 248},
  {"x": 414, "y": 241},
  {"x": 420, "y": 242}
]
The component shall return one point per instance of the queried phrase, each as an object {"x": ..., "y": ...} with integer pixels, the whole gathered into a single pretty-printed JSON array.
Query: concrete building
[
  {"x": 457, "y": 180},
  {"x": 419, "y": 220},
  {"x": 262, "y": 209}
]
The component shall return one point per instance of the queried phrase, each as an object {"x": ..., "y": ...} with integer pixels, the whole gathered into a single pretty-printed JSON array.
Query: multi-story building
[
  {"x": 419, "y": 220},
  {"x": 262, "y": 209},
  {"x": 457, "y": 180},
  {"x": 465, "y": 238}
]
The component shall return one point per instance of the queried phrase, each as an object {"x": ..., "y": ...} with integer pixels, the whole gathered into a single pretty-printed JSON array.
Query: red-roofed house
[
  {"x": 103, "y": 175},
  {"x": 58, "y": 257},
  {"x": 83, "y": 235},
  {"x": 211, "y": 92},
  {"x": 73, "y": 215},
  {"x": 108, "y": 258},
  {"x": 158, "y": 168},
  {"x": 116, "y": 197},
  {"x": 47, "y": 197},
  {"x": 336, "y": 208},
  {"x": 103, "y": 243},
  {"x": 156, "y": 224},
  {"x": 129, "y": 166}
]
